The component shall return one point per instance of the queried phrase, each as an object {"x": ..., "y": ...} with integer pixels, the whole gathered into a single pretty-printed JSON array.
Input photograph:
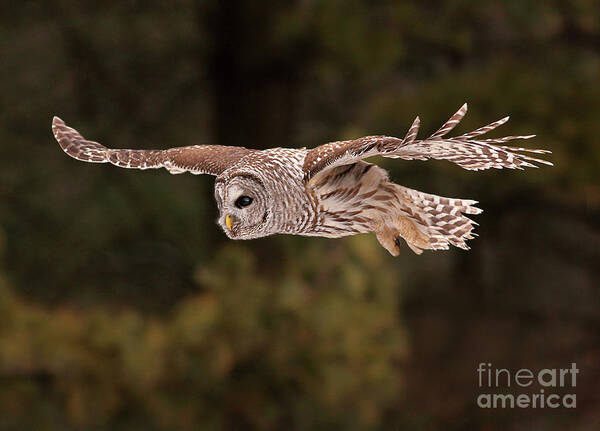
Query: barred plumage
[
  {"x": 196, "y": 159},
  {"x": 329, "y": 190}
]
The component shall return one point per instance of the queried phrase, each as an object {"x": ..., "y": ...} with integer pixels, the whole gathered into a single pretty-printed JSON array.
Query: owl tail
[{"x": 426, "y": 222}]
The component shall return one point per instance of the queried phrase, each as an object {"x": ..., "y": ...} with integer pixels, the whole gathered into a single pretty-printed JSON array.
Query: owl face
[{"x": 244, "y": 207}]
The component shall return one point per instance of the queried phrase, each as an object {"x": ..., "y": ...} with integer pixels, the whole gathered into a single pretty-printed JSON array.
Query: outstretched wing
[
  {"x": 196, "y": 159},
  {"x": 467, "y": 150}
]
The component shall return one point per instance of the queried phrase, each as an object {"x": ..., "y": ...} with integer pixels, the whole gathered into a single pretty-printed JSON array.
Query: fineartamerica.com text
[{"x": 550, "y": 382}]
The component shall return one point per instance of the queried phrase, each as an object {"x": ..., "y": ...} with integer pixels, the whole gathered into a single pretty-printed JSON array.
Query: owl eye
[{"x": 243, "y": 201}]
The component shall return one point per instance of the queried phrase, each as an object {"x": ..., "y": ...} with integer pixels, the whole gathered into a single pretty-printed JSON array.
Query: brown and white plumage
[
  {"x": 196, "y": 159},
  {"x": 329, "y": 190},
  {"x": 465, "y": 150}
]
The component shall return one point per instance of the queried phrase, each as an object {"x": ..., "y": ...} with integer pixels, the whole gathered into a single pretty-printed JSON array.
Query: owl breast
[{"x": 350, "y": 199}]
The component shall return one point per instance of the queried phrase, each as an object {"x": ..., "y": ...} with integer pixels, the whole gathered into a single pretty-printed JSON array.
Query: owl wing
[
  {"x": 467, "y": 150},
  {"x": 196, "y": 159}
]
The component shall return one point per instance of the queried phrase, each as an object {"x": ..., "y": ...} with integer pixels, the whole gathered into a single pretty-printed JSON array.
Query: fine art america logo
[{"x": 556, "y": 387}]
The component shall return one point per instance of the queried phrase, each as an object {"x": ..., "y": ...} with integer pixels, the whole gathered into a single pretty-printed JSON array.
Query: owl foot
[{"x": 390, "y": 236}]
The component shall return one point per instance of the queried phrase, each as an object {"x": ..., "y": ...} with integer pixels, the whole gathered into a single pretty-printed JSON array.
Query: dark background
[{"x": 123, "y": 306}]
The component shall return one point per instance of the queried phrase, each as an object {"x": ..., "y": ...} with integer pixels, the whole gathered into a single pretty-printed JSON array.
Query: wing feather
[
  {"x": 465, "y": 150},
  {"x": 196, "y": 159},
  {"x": 451, "y": 123}
]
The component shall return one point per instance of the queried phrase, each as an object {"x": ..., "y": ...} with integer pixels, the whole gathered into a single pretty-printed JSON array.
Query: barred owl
[{"x": 329, "y": 190}]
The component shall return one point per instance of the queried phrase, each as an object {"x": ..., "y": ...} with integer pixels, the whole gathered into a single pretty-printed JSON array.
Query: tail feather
[{"x": 433, "y": 222}]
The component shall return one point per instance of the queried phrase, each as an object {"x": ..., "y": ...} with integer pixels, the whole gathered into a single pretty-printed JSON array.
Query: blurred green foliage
[
  {"x": 247, "y": 351},
  {"x": 122, "y": 306}
]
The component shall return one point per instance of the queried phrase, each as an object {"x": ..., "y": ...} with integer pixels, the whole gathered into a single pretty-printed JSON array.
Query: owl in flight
[{"x": 329, "y": 190}]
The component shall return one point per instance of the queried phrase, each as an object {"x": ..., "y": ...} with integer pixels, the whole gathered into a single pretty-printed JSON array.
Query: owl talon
[{"x": 398, "y": 243}]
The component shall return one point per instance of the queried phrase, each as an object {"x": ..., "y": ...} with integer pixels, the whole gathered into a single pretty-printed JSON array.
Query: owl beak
[{"x": 229, "y": 221}]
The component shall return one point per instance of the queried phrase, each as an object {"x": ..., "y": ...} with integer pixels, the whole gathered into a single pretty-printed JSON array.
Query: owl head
[{"x": 245, "y": 206}]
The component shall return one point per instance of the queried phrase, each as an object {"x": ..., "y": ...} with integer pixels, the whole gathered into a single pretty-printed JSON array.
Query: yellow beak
[{"x": 228, "y": 221}]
